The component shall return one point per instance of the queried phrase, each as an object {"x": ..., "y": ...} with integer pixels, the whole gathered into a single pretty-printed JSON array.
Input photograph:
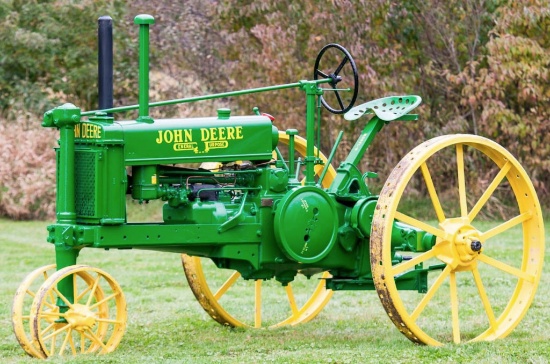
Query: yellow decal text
[
  {"x": 199, "y": 140},
  {"x": 221, "y": 133},
  {"x": 87, "y": 131},
  {"x": 174, "y": 136}
]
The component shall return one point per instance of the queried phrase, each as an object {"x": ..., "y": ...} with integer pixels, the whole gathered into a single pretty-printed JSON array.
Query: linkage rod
[{"x": 203, "y": 98}]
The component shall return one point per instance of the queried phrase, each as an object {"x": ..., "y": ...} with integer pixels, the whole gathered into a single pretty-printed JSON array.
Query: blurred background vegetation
[{"x": 481, "y": 67}]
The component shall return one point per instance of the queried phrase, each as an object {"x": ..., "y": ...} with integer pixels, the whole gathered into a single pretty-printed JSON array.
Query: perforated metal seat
[{"x": 386, "y": 108}]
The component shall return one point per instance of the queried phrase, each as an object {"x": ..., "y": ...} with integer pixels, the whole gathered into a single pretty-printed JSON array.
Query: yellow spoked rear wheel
[
  {"x": 232, "y": 301},
  {"x": 482, "y": 275},
  {"x": 94, "y": 320},
  {"x": 21, "y": 308}
]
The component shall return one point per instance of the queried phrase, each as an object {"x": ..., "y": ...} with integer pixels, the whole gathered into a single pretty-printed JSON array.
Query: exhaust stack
[{"x": 105, "y": 62}]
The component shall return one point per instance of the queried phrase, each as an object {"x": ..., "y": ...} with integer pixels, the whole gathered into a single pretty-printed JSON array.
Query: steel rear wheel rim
[{"x": 524, "y": 276}]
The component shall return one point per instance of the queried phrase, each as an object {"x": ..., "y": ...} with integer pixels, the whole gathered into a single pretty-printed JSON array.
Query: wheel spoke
[
  {"x": 319, "y": 72},
  {"x": 53, "y": 303},
  {"x": 47, "y": 329},
  {"x": 64, "y": 344},
  {"x": 341, "y": 65},
  {"x": 75, "y": 287},
  {"x": 291, "y": 299},
  {"x": 227, "y": 284},
  {"x": 104, "y": 300},
  {"x": 339, "y": 99},
  {"x": 71, "y": 342},
  {"x": 56, "y": 332},
  {"x": 52, "y": 345},
  {"x": 82, "y": 294},
  {"x": 421, "y": 225},
  {"x": 409, "y": 264},
  {"x": 507, "y": 268},
  {"x": 461, "y": 180},
  {"x": 433, "y": 193},
  {"x": 63, "y": 298},
  {"x": 51, "y": 306},
  {"x": 30, "y": 293},
  {"x": 506, "y": 225},
  {"x": 431, "y": 292},
  {"x": 89, "y": 334},
  {"x": 489, "y": 191},
  {"x": 51, "y": 314},
  {"x": 454, "y": 308},
  {"x": 109, "y": 321},
  {"x": 258, "y": 303},
  {"x": 484, "y": 299},
  {"x": 92, "y": 291}
]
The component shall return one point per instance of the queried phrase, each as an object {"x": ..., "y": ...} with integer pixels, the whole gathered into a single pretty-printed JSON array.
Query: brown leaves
[{"x": 27, "y": 171}]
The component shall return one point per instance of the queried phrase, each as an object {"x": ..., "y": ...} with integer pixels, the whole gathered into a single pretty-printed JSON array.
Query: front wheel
[
  {"x": 480, "y": 274},
  {"x": 21, "y": 308},
  {"x": 90, "y": 320}
]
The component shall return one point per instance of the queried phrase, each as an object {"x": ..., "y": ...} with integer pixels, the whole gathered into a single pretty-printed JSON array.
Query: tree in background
[
  {"x": 49, "y": 52},
  {"x": 481, "y": 66},
  {"x": 400, "y": 48},
  {"x": 47, "y": 56},
  {"x": 510, "y": 86}
]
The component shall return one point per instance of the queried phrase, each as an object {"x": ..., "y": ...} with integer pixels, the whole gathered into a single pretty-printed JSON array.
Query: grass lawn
[{"x": 167, "y": 325}]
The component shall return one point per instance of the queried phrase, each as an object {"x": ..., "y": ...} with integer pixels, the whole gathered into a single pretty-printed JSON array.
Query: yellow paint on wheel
[{"x": 460, "y": 247}]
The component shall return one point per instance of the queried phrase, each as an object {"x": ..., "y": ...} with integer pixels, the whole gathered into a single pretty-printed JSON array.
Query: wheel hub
[
  {"x": 80, "y": 317},
  {"x": 462, "y": 246}
]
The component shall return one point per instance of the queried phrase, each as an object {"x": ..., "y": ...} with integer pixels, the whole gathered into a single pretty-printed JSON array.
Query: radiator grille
[{"x": 85, "y": 181}]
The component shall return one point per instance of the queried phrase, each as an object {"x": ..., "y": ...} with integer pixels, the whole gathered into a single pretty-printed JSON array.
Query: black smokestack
[{"x": 105, "y": 62}]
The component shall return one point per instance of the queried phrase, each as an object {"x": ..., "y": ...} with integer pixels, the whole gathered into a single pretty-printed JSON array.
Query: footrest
[{"x": 387, "y": 108}]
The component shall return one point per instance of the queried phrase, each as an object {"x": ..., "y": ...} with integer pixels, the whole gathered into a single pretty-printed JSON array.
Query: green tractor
[{"x": 268, "y": 207}]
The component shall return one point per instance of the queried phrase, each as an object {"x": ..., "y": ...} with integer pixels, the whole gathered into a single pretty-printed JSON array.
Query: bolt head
[{"x": 476, "y": 245}]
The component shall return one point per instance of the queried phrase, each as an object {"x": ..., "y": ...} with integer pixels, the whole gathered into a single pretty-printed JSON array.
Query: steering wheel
[{"x": 335, "y": 77}]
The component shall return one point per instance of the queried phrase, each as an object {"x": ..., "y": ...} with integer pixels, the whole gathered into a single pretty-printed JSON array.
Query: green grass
[{"x": 167, "y": 325}]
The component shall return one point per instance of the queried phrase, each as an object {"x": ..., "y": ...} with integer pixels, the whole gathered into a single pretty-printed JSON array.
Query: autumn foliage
[{"x": 481, "y": 67}]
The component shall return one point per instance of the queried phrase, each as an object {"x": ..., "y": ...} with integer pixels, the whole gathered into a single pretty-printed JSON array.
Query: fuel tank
[{"x": 170, "y": 141}]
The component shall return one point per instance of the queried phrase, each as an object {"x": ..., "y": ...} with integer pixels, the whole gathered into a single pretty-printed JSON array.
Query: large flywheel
[
  {"x": 485, "y": 259},
  {"x": 233, "y": 301}
]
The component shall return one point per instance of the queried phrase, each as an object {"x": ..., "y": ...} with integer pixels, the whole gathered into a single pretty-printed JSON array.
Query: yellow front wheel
[
  {"x": 21, "y": 309},
  {"x": 233, "y": 301},
  {"x": 91, "y": 321},
  {"x": 480, "y": 273}
]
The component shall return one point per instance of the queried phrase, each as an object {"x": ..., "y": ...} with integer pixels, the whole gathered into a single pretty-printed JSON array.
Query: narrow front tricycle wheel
[
  {"x": 90, "y": 320},
  {"x": 21, "y": 308},
  {"x": 481, "y": 258}
]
